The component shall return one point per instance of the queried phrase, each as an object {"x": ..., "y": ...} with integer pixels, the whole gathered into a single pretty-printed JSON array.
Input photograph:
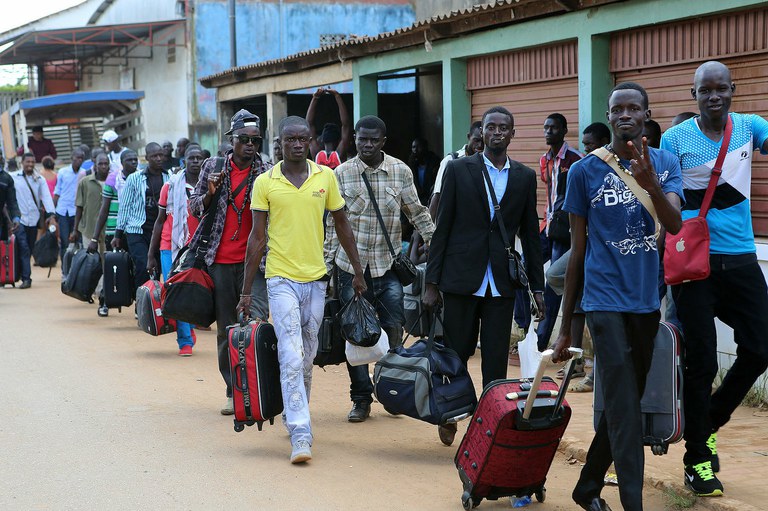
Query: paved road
[{"x": 96, "y": 414}]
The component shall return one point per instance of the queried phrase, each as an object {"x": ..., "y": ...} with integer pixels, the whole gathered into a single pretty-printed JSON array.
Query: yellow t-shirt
[{"x": 295, "y": 228}]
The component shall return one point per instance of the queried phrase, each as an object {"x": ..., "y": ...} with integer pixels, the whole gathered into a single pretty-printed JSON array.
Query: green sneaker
[
  {"x": 712, "y": 445},
  {"x": 702, "y": 481}
]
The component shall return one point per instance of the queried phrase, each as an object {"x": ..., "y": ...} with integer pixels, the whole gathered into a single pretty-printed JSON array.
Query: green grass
[{"x": 677, "y": 501}]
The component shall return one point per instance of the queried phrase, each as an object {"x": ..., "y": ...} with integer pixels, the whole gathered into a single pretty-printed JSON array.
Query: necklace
[
  {"x": 231, "y": 200},
  {"x": 618, "y": 162}
]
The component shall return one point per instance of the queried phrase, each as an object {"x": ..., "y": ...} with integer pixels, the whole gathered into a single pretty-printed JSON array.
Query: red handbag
[{"x": 686, "y": 254}]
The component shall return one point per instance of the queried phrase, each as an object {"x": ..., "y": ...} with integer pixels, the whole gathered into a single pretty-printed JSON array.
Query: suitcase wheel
[
  {"x": 541, "y": 495},
  {"x": 239, "y": 427},
  {"x": 468, "y": 502},
  {"x": 660, "y": 449}
]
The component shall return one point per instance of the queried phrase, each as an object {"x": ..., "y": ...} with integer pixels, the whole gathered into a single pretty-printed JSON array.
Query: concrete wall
[{"x": 164, "y": 108}]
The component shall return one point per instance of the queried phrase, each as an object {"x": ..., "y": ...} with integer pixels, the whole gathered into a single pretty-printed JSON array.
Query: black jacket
[
  {"x": 8, "y": 201},
  {"x": 465, "y": 238}
]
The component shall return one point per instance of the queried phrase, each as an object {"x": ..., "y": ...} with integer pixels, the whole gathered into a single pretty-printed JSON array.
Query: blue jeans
[
  {"x": 552, "y": 250},
  {"x": 26, "y": 237},
  {"x": 386, "y": 294},
  {"x": 183, "y": 330},
  {"x": 66, "y": 225},
  {"x": 297, "y": 312}
]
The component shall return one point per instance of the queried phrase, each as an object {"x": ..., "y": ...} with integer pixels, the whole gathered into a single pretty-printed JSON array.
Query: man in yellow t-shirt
[{"x": 295, "y": 194}]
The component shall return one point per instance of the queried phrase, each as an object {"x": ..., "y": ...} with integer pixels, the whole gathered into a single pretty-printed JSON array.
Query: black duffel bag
[
  {"x": 331, "y": 344},
  {"x": 83, "y": 276}
]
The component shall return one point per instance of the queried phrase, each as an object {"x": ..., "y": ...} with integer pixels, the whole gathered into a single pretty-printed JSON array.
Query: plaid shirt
[
  {"x": 197, "y": 207},
  {"x": 392, "y": 182}
]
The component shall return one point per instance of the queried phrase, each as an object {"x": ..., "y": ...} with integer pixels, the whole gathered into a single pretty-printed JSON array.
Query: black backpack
[
  {"x": 83, "y": 276},
  {"x": 46, "y": 250}
]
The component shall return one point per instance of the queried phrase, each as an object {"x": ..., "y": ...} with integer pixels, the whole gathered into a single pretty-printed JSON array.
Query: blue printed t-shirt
[
  {"x": 621, "y": 265},
  {"x": 729, "y": 217}
]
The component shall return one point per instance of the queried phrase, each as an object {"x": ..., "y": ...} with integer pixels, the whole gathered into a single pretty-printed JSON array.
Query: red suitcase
[
  {"x": 10, "y": 270},
  {"x": 255, "y": 373},
  {"x": 148, "y": 309},
  {"x": 504, "y": 453}
]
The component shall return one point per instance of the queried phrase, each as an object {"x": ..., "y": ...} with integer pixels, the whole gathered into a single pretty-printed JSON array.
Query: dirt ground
[{"x": 98, "y": 415}]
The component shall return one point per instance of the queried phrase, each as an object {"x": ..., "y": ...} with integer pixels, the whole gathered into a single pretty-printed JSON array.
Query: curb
[{"x": 570, "y": 447}]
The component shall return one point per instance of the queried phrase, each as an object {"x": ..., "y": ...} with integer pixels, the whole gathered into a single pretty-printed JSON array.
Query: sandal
[
  {"x": 578, "y": 371},
  {"x": 585, "y": 385}
]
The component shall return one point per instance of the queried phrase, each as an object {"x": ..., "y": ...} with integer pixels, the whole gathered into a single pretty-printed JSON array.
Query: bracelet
[
  {"x": 94, "y": 240},
  {"x": 246, "y": 296}
]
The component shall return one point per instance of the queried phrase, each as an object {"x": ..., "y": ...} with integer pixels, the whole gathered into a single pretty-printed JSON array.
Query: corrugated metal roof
[{"x": 460, "y": 22}]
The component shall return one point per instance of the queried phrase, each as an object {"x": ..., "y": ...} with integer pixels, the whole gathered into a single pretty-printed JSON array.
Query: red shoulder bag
[{"x": 686, "y": 254}]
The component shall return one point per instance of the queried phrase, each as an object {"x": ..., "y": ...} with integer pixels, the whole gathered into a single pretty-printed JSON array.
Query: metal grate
[{"x": 330, "y": 39}]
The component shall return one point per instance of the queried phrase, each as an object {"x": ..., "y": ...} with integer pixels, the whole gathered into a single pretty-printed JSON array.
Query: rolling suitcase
[
  {"x": 255, "y": 373},
  {"x": 509, "y": 446},
  {"x": 417, "y": 322},
  {"x": 151, "y": 318},
  {"x": 662, "y": 402},
  {"x": 10, "y": 269},
  {"x": 118, "y": 279}
]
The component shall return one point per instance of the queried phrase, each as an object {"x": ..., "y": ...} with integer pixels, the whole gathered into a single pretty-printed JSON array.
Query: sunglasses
[{"x": 244, "y": 139}]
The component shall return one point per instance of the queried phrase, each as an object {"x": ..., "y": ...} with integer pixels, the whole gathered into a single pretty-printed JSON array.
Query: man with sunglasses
[{"x": 232, "y": 223}]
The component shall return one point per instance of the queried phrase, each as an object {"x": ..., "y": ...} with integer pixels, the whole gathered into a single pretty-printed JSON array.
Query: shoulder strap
[
  {"x": 34, "y": 197},
  {"x": 715, "y": 177},
  {"x": 497, "y": 208},
  {"x": 454, "y": 155},
  {"x": 378, "y": 214},
  {"x": 645, "y": 199}
]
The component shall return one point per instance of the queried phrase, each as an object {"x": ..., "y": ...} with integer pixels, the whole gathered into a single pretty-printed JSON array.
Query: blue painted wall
[{"x": 259, "y": 33}]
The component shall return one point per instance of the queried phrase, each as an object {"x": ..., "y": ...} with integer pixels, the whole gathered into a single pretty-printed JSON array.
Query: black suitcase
[
  {"x": 83, "y": 276},
  {"x": 255, "y": 373},
  {"x": 662, "y": 402},
  {"x": 118, "y": 279}
]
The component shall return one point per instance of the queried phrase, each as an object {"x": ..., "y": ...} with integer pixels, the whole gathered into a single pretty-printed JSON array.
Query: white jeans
[{"x": 297, "y": 313}]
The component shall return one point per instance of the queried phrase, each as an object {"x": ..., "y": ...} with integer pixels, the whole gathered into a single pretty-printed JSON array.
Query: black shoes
[
  {"x": 26, "y": 284},
  {"x": 595, "y": 504},
  {"x": 702, "y": 481},
  {"x": 360, "y": 411},
  {"x": 447, "y": 433}
]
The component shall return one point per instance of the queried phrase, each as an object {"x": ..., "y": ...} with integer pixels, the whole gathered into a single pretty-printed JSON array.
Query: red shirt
[{"x": 233, "y": 251}]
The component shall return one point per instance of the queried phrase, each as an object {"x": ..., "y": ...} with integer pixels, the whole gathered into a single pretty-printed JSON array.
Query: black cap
[
  {"x": 242, "y": 119},
  {"x": 37, "y": 129}
]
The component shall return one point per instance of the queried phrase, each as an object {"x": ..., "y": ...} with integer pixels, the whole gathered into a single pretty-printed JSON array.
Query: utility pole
[{"x": 232, "y": 35}]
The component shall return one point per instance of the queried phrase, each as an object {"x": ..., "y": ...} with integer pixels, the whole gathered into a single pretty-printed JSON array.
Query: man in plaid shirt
[{"x": 392, "y": 184}]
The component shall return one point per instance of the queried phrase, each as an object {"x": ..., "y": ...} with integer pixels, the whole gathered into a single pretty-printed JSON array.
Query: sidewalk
[{"x": 742, "y": 446}]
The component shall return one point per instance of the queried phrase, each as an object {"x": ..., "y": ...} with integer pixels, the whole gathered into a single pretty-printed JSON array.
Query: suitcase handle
[{"x": 546, "y": 361}]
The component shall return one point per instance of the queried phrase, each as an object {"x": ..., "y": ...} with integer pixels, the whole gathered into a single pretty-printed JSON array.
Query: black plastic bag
[{"x": 359, "y": 324}]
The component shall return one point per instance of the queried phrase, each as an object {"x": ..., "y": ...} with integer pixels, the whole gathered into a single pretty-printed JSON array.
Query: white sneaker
[
  {"x": 301, "y": 452},
  {"x": 228, "y": 408}
]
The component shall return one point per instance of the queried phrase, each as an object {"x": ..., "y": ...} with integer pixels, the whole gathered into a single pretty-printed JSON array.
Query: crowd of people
[{"x": 282, "y": 227}]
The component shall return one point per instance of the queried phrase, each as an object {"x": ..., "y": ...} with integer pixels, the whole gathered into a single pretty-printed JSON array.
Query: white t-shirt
[{"x": 440, "y": 171}]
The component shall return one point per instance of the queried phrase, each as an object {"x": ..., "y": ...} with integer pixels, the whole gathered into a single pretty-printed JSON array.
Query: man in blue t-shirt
[
  {"x": 618, "y": 266},
  {"x": 735, "y": 290}
]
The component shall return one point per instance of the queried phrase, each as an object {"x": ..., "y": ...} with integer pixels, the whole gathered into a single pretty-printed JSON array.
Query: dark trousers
[
  {"x": 552, "y": 251},
  {"x": 25, "y": 238},
  {"x": 624, "y": 350},
  {"x": 386, "y": 294},
  {"x": 138, "y": 247},
  {"x": 735, "y": 292},
  {"x": 463, "y": 315},
  {"x": 66, "y": 225},
  {"x": 227, "y": 283}
]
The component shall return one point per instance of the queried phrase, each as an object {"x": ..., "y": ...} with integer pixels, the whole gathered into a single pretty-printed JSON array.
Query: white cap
[{"x": 110, "y": 136}]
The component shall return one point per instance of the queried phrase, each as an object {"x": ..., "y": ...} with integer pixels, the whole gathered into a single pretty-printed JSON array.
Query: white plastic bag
[
  {"x": 358, "y": 356},
  {"x": 530, "y": 356}
]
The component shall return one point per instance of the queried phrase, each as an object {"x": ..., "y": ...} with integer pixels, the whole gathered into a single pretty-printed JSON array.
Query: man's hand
[
  {"x": 358, "y": 284},
  {"x": 74, "y": 236},
  {"x": 15, "y": 226},
  {"x": 432, "y": 297},
  {"x": 541, "y": 313},
  {"x": 319, "y": 92},
  {"x": 642, "y": 167},
  {"x": 214, "y": 182},
  {"x": 116, "y": 243},
  {"x": 51, "y": 220},
  {"x": 93, "y": 246},
  {"x": 560, "y": 348},
  {"x": 152, "y": 264},
  {"x": 244, "y": 306}
]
